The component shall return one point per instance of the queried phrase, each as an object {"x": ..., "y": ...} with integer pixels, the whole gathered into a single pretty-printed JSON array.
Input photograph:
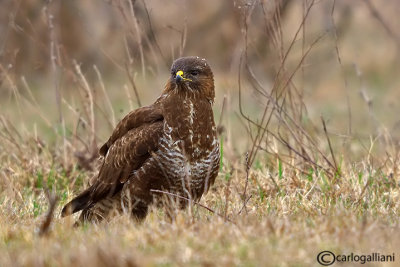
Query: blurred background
[
  {"x": 307, "y": 108},
  {"x": 344, "y": 63}
]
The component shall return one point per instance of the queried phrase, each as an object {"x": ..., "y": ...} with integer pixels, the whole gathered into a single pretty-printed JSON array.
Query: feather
[{"x": 170, "y": 145}]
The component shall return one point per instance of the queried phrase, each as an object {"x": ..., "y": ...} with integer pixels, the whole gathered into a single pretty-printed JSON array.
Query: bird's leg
[{"x": 139, "y": 211}]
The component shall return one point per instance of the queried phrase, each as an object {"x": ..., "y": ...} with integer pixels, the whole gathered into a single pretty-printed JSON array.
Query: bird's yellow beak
[{"x": 179, "y": 77}]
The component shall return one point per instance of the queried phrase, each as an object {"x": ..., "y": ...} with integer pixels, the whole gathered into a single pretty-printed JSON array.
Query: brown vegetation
[{"x": 306, "y": 106}]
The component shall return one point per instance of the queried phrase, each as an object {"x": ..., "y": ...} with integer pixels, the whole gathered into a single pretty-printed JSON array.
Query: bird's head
[{"x": 193, "y": 73}]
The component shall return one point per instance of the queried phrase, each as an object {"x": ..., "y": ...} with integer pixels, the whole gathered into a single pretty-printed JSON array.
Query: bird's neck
[{"x": 189, "y": 118}]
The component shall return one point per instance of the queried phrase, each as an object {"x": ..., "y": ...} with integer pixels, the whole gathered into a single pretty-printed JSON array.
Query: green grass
[{"x": 309, "y": 213}]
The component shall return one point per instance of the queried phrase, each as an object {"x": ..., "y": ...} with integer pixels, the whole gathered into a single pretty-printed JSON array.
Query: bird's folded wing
[
  {"x": 125, "y": 155},
  {"x": 131, "y": 121}
]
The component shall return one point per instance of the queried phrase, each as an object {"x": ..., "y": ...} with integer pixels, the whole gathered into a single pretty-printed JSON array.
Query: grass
[
  {"x": 289, "y": 218},
  {"x": 289, "y": 186}
]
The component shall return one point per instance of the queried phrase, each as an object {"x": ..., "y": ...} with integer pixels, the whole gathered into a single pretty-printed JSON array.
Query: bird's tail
[{"x": 80, "y": 202}]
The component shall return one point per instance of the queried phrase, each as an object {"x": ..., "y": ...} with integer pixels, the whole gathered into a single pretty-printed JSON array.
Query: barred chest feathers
[{"x": 189, "y": 148}]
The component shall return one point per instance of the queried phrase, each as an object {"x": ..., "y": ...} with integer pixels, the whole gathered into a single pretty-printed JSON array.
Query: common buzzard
[{"x": 170, "y": 146}]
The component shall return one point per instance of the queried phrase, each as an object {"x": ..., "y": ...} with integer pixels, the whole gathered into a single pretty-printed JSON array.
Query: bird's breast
[
  {"x": 194, "y": 166},
  {"x": 188, "y": 152}
]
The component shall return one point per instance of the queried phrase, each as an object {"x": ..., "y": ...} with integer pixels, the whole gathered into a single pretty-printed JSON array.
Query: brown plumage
[{"x": 170, "y": 145}]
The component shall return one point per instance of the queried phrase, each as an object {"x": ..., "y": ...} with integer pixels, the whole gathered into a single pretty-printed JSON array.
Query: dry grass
[
  {"x": 292, "y": 182},
  {"x": 286, "y": 222}
]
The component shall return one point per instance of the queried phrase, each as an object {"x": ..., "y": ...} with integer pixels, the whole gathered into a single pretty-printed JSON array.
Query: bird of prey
[{"x": 169, "y": 146}]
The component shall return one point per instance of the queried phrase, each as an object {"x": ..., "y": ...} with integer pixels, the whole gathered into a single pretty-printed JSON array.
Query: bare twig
[
  {"x": 53, "y": 199},
  {"x": 244, "y": 205},
  {"x": 103, "y": 88},
  {"x": 330, "y": 145},
  {"x": 88, "y": 104},
  {"x": 244, "y": 195},
  {"x": 342, "y": 69},
  {"x": 138, "y": 36},
  {"x": 375, "y": 13},
  {"x": 219, "y": 125},
  {"x": 128, "y": 96},
  {"x": 265, "y": 120},
  {"x": 153, "y": 36},
  {"x": 54, "y": 56},
  {"x": 184, "y": 32},
  {"x": 133, "y": 84},
  {"x": 194, "y": 202},
  {"x": 228, "y": 193}
]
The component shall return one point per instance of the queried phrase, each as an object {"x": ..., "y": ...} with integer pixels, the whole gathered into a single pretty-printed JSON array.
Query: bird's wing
[
  {"x": 125, "y": 155},
  {"x": 133, "y": 120}
]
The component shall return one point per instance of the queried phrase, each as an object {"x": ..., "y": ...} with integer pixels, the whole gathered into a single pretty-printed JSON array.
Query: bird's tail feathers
[{"x": 79, "y": 203}]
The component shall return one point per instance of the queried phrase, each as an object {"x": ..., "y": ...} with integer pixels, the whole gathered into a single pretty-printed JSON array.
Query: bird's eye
[{"x": 194, "y": 72}]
